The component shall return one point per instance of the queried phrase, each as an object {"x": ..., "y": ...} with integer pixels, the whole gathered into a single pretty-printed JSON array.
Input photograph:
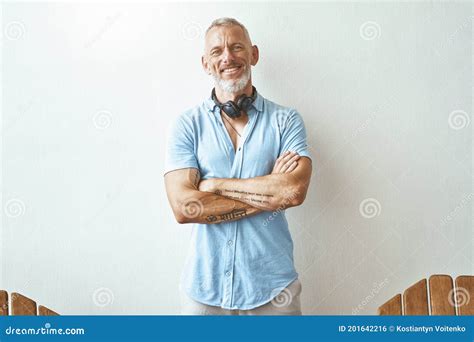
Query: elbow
[
  {"x": 180, "y": 216},
  {"x": 294, "y": 192},
  {"x": 298, "y": 200},
  {"x": 292, "y": 198},
  {"x": 297, "y": 197},
  {"x": 181, "y": 219},
  {"x": 188, "y": 211}
]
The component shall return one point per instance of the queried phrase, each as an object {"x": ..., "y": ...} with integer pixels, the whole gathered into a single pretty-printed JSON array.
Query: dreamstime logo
[
  {"x": 452, "y": 37},
  {"x": 370, "y": 30},
  {"x": 14, "y": 208},
  {"x": 191, "y": 30},
  {"x": 289, "y": 196},
  {"x": 14, "y": 30},
  {"x": 458, "y": 119},
  {"x": 192, "y": 209},
  {"x": 373, "y": 292},
  {"x": 102, "y": 119},
  {"x": 103, "y": 297},
  {"x": 364, "y": 125},
  {"x": 108, "y": 24},
  {"x": 459, "y": 296},
  {"x": 465, "y": 200},
  {"x": 283, "y": 297},
  {"x": 380, "y": 108},
  {"x": 370, "y": 208},
  {"x": 23, "y": 109}
]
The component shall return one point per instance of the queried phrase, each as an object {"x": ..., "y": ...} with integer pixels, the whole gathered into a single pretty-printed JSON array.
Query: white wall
[{"x": 88, "y": 91}]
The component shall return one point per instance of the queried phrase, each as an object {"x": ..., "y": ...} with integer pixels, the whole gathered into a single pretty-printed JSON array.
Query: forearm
[
  {"x": 268, "y": 192},
  {"x": 204, "y": 207}
]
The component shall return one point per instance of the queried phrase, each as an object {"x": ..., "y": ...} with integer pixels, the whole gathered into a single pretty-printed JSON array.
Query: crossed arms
[{"x": 219, "y": 200}]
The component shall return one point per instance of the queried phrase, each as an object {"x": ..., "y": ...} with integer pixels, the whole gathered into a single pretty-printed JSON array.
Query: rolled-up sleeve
[
  {"x": 180, "y": 145},
  {"x": 293, "y": 137}
]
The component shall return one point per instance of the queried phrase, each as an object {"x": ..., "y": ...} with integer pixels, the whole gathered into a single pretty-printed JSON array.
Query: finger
[
  {"x": 287, "y": 157},
  {"x": 292, "y": 167},
  {"x": 277, "y": 165},
  {"x": 285, "y": 167},
  {"x": 278, "y": 162},
  {"x": 283, "y": 155},
  {"x": 287, "y": 161},
  {"x": 292, "y": 159}
]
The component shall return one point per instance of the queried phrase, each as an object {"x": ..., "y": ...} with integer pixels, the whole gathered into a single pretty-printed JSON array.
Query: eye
[
  {"x": 215, "y": 53},
  {"x": 237, "y": 47}
]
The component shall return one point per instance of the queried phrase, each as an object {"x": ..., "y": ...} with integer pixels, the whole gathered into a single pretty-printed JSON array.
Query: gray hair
[{"x": 228, "y": 22}]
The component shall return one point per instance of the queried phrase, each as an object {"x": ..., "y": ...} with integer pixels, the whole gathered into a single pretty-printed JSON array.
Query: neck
[{"x": 223, "y": 96}]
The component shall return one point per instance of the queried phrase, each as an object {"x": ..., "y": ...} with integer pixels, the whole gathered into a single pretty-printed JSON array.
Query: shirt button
[
  {"x": 229, "y": 243},
  {"x": 228, "y": 273},
  {"x": 240, "y": 148}
]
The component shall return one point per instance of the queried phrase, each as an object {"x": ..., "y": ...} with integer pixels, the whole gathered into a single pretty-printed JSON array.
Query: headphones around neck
[{"x": 232, "y": 109}]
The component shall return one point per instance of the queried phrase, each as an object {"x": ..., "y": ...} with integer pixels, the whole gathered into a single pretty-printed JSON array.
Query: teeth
[{"x": 231, "y": 69}]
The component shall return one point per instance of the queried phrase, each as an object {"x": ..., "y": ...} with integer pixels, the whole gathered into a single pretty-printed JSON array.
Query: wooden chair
[
  {"x": 22, "y": 306},
  {"x": 445, "y": 298}
]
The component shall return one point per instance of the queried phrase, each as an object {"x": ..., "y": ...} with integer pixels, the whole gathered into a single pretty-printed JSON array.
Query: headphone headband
[{"x": 232, "y": 109}]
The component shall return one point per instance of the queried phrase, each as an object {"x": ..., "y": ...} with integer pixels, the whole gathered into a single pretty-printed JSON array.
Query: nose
[{"x": 227, "y": 56}]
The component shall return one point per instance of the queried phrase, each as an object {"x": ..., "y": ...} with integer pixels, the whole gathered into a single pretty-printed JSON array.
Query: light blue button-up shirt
[{"x": 241, "y": 264}]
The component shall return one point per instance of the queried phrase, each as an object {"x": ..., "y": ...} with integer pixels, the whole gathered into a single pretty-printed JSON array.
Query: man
[{"x": 231, "y": 170}]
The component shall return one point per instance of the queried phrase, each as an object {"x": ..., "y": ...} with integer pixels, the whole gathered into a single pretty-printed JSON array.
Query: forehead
[{"x": 220, "y": 34}]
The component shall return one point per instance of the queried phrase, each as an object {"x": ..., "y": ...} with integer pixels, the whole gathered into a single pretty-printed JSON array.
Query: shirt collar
[{"x": 257, "y": 104}]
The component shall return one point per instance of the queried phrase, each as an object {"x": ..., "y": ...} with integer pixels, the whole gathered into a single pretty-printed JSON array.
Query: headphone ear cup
[
  {"x": 245, "y": 102},
  {"x": 239, "y": 100},
  {"x": 231, "y": 109}
]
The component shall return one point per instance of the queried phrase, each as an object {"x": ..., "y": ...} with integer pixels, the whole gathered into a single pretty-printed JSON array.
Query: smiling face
[{"x": 228, "y": 57}]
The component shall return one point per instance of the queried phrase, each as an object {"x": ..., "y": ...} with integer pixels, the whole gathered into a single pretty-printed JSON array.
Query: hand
[{"x": 287, "y": 162}]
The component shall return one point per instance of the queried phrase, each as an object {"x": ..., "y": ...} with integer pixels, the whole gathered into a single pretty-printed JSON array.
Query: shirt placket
[{"x": 231, "y": 236}]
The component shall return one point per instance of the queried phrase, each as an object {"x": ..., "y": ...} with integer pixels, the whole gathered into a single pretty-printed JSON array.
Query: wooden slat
[
  {"x": 3, "y": 303},
  {"x": 392, "y": 307},
  {"x": 442, "y": 295},
  {"x": 465, "y": 295},
  {"x": 415, "y": 299},
  {"x": 44, "y": 311},
  {"x": 22, "y": 306}
]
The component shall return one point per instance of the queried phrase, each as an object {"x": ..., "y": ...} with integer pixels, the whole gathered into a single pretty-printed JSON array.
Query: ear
[
  {"x": 205, "y": 65},
  {"x": 255, "y": 55}
]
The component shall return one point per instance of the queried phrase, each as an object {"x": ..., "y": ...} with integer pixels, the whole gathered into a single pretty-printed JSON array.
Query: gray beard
[{"x": 233, "y": 86}]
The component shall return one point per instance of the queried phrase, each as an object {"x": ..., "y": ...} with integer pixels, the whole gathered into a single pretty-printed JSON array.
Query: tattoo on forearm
[
  {"x": 236, "y": 213},
  {"x": 211, "y": 218},
  {"x": 244, "y": 195},
  {"x": 250, "y": 199},
  {"x": 247, "y": 193}
]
